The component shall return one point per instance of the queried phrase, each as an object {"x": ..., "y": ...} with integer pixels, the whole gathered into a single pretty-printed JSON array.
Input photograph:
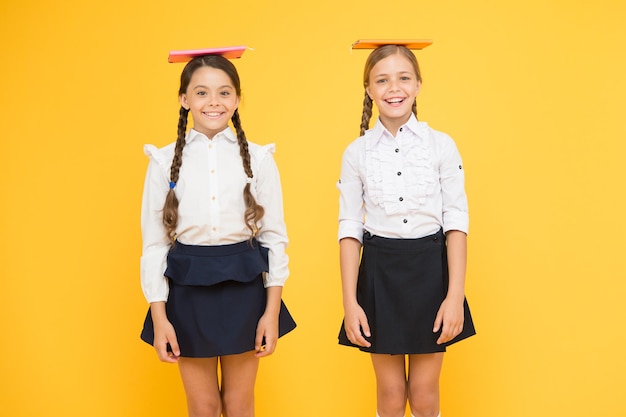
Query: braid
[
  {"x": 170, "y": 208},
  {"x": 254, "y": 212},
  {"x": 367, "y": 113},
  {"x": 414, "y": 108}
]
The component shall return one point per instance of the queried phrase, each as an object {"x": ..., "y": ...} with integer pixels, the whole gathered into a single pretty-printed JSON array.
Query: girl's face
[
  {"x": 393, "y": 86},
  {"x": 212, "y": 100}
]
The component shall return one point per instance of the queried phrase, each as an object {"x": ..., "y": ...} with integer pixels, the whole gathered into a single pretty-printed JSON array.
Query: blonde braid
[{"x": 367, "y": 113}]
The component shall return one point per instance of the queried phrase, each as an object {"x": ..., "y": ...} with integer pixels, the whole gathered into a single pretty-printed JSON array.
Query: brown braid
[
  {"x": 254, "y": 212},
  {"x": 367, "y": 113},
  {"x": 415, "y": 107},
  {"x": 170, "y": 208}
]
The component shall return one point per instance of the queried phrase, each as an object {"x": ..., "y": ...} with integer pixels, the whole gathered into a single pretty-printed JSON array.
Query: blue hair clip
[{"x": 172, "y": 184}]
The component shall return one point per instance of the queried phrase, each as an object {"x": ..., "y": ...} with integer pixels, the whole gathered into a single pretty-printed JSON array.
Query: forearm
[
  {"x": 349, "y": 258},
  {"x": 157, "y": 310},
  {"x": 457, "y": 262},
  {"x": 274, "y": 295}
]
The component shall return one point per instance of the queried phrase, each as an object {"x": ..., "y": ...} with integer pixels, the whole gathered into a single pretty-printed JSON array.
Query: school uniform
[
  {"x": 398, "y": 197},
  {"x": 213, "y": 278}
]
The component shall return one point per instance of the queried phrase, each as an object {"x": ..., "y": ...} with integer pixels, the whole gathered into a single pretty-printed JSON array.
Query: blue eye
[{"x": 225, "y": 93}]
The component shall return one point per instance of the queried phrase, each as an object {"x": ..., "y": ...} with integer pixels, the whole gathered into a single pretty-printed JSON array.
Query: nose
[{"x": 213, "y": 100}]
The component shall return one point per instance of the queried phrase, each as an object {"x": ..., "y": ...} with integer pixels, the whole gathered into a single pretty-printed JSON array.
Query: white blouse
[
  {"x": 406, "y": 187},
  {"x": 211, "y": 207}
]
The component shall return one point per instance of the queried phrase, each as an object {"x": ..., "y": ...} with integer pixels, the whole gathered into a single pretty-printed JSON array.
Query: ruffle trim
[
  {"x": 210, "y": 265},
  {"x": 383, "y": 165}
]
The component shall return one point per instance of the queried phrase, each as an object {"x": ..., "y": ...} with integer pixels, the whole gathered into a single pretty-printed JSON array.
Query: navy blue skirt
[
  {"x": 401, "y": 285},
  {"x": 216, "y": 298}
]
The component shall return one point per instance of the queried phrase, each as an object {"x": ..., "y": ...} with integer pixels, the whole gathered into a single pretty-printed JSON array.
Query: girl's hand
[
  {"x": 354, "y": 321},
  {"x": 266, "y": 335},
  {"x": 450, "y": 314},
  {"x": 163, "y": 334}
]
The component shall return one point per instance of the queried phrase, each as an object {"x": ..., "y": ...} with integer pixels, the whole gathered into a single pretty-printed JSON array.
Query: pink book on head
[{"x": 230, "y": 52}]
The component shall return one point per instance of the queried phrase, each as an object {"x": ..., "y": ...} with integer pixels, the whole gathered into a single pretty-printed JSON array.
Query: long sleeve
[
  {"x": 350, "y": 187},
  {"x": 452, "y": 180},
  {"x": 273, "y": 231},
  {"x": 155, "y": 241}
]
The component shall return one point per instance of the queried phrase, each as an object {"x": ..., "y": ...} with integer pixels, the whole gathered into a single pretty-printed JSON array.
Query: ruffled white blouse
[{"x": 408, "y": 186}]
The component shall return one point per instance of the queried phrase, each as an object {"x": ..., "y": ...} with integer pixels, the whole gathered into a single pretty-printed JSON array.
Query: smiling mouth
[
  {"x": 395, "y": 100},
  {"x": 213, "y": 114}
]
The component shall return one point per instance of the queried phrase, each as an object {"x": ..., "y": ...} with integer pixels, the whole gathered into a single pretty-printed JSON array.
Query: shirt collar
[
  {"x": 413, "y": 125},
  {"x": 226, "y": 133},
  {"x": 378, "y": 131}
]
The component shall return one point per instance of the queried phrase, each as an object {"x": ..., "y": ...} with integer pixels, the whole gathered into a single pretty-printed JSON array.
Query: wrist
[
  {"x": 157, "y": 311},
  {"x": 455, "y": 295},
  {"x": 349, "y": 303}
]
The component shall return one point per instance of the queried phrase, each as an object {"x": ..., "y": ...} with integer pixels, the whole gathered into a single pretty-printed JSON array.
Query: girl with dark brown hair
[
  {"x": 214, "y": 239},
  {"x": 403, "y": 203}
]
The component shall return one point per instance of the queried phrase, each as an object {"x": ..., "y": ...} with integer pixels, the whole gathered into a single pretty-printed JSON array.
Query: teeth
[
  {"x": 395, "y": 100},
  {"x": 213, "y": 114}
]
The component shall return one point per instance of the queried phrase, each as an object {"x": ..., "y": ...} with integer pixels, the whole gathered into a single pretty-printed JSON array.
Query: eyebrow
[
  {"x": 220, "y": 87},
  {"x": 386, "y": 75}
]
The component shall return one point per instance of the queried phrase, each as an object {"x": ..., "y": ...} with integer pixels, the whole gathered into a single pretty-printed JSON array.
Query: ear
[
  {"x": 419, "y": 86},
  {"x": 183, "y": 101},
  {"x": 367, "y": 90}
]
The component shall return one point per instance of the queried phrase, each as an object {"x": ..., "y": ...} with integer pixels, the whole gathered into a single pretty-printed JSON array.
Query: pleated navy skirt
[
  {"x": 216, "y": 298},
  {"x": 401, "y": 285}
]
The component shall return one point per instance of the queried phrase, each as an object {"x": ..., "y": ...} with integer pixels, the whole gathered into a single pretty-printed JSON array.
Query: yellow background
[{"x": 532, "y": 92}]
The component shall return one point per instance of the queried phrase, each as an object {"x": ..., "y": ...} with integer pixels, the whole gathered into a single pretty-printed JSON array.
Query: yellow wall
[{"x": 533, "y": 93}]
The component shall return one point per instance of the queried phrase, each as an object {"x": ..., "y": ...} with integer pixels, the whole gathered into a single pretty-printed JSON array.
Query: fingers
[
  {"x": 166, "y": 344},
  {"x": 258, "y": 340},
  {"x": 438, "y": 321},
  {"x": 365, "y": 327},
  {"x": 266, "y": 337},
  {"x": 175, "y": 349},
  {"x": 165, "y": 353},
  {"x": 451, "y": 329},
  {"x": 357, "y": 330},
  {"x": 357, "y": 338},
  {"x": 267, "y": 348}
]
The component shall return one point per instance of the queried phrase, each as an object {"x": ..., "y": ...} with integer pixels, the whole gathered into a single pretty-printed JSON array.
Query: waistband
[
  {"x": 215, "y": 250},
  {"x": 397, "y": 243}
]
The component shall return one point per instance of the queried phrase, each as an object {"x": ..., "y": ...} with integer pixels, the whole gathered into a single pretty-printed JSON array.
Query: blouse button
[
  {"x": 399, "y": 173},
  {"x": 397, "y": 150},
  {"x": 401, "y": 199},
  {"x": 401, "y": 129},
  {"x": 405, "y": 221}
]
